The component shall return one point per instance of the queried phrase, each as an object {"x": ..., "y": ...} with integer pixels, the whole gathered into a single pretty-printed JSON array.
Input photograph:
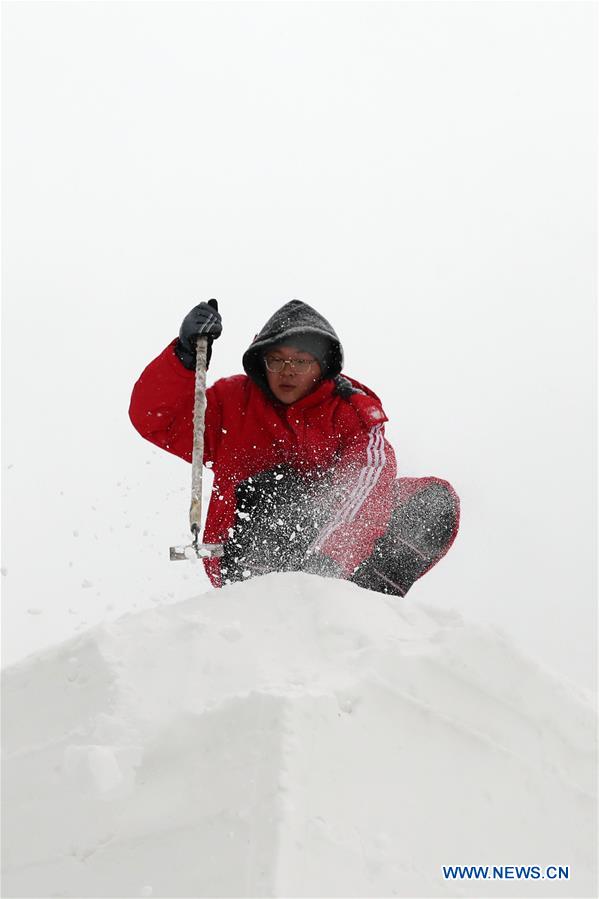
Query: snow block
[{"x": 292, "y": 736}]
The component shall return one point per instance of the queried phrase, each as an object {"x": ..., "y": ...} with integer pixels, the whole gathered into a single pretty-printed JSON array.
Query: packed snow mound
[{"x": 292, "y": 736}]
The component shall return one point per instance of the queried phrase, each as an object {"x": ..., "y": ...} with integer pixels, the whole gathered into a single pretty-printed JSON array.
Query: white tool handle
[{"x": 197, "y": 458}]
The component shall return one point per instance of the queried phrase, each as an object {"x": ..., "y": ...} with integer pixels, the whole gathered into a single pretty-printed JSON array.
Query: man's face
[{"x": 295, "y": 380}]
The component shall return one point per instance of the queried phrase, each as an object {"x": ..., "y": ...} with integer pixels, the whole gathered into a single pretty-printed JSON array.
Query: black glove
[
  {"x": 203, "y": 321},
  {"x": 323, "y": 566}
]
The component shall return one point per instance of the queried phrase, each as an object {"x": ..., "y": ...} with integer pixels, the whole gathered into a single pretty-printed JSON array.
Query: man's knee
[
  {"x": 422, "y": 528},
  {"x": 427, "y": 515}
]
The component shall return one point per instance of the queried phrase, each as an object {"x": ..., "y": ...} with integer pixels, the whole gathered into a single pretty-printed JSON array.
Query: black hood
[{"x": 292, "y": 320}]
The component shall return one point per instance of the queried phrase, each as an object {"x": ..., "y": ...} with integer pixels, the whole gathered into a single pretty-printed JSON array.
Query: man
[{"x": 304, "y": 479}]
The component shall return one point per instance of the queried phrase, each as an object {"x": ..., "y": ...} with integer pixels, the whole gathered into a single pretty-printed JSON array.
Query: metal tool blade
[{"x": 201, "y": 551}]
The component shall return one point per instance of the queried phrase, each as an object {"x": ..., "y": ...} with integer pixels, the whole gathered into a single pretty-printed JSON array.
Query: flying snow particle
[{"x": 190, "y": 553}]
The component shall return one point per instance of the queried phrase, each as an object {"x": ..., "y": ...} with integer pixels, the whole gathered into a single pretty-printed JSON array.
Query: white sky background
[{"x": 422, "y": 173}]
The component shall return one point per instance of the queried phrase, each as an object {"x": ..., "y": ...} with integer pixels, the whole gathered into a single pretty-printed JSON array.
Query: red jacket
[{"x": 246, "y": 433}]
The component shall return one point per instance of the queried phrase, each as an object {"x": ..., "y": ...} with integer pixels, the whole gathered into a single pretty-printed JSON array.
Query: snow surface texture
[{"x": 292, "y": 736}]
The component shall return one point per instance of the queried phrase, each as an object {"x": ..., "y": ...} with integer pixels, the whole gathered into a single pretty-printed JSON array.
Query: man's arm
[
  {"x": 161, "y": 407},
  {"x": 162, "y": 402}
]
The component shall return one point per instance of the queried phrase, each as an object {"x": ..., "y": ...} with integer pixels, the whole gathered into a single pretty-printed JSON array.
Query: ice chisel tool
[{"x": 197, "y": 550}]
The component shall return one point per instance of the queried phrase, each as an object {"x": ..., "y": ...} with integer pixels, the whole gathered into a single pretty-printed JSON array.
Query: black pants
[{"x": 279, "y": 514}]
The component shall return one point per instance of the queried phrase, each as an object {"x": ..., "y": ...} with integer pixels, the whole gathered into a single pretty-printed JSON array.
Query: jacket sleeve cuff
[
  {"x": 176, "y": 364},
  {"x": 188, "y": 358}
]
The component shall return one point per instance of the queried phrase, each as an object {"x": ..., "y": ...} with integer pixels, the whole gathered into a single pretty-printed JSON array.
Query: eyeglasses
[{"x": 276, "y": 365}]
